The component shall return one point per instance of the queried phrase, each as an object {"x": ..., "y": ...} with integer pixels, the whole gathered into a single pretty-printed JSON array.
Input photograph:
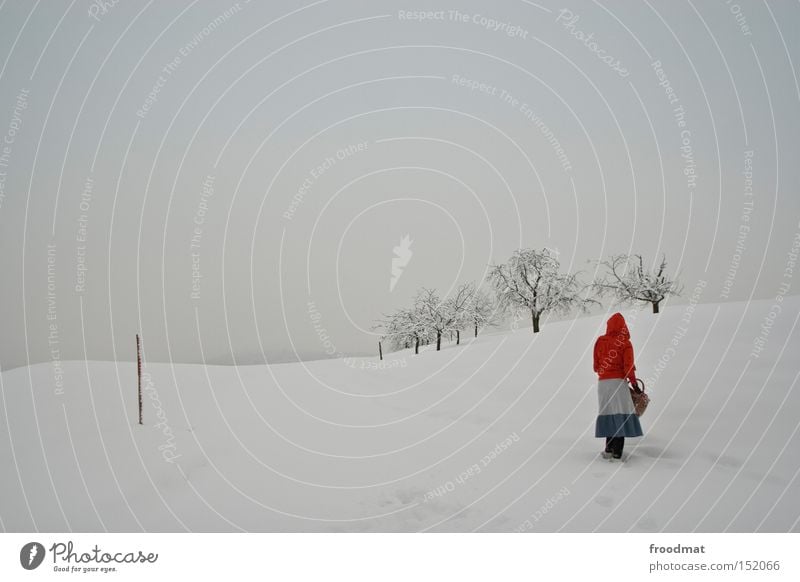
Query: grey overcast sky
[{"x": 203, "y": 171}]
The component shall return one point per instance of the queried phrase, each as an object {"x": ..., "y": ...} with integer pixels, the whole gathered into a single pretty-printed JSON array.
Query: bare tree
[
  {"x": 628, "y": 280},
  {"x": 531, "y": 280},
  {"x": 457, "y": 309},
  {"x": 433, "y": 313},
  {"x": 432, "y": 317},
  {"x": 403, "y": 329},
  {"x": 481, "y": 310},
  {"x": 442, "y": 316}
]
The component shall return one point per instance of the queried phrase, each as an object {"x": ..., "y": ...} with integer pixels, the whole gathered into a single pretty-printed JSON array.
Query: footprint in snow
[
  {"x": 654, "y": 452},
  {"x": 407, "y": 496},
  {"x": 401, "y": 497},
  {"x": 604, "y": 501},
  {"x": 727, "y": 461},
  {"x": 648, "y": 523}
]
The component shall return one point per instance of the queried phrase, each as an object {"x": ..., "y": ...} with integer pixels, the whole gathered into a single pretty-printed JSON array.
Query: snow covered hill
[{"x": 493, "y": 435}]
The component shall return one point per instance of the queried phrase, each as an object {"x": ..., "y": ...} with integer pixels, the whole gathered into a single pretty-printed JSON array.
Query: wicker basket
[{"x": 640, "y": 399}]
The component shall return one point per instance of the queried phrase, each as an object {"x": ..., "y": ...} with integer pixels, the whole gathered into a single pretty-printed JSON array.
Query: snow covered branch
[
  {"x": 627, "y": 279},
  {"x": 531, "y": 280}
]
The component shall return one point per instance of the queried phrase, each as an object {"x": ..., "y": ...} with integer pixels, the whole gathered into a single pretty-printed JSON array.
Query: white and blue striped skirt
[{"x": 616, "y": 416}]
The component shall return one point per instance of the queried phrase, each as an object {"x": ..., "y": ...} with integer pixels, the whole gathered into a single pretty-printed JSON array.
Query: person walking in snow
[{"x": 614, "y": 365}]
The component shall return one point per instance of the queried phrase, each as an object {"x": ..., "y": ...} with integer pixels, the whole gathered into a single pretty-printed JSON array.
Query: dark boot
[
  {"x": 617, "y": 444},
  {"x": 607, "y": 452}
]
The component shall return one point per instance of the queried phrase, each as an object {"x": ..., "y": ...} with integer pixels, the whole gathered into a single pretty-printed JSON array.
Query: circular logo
[{"x": 31, "y": 555}]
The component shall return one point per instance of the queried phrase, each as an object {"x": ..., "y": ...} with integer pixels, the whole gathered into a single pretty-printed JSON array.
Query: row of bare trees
[
  {"x": 430, "y": 317},
  {"x": 531, "y": 282}
]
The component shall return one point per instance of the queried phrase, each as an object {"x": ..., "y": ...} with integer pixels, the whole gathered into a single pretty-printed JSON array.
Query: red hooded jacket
[{"x": 613, "y": 352}]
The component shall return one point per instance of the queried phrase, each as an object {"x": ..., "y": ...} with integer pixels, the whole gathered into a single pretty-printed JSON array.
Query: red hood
[{"x": 616, "y": 325}]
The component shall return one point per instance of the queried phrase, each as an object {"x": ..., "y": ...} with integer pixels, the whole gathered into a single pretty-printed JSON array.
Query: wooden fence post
[{"x": 139, "y": 373}]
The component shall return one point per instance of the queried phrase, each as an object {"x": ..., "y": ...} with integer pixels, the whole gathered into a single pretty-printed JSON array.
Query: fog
[{"x": 231, "y": 181}]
